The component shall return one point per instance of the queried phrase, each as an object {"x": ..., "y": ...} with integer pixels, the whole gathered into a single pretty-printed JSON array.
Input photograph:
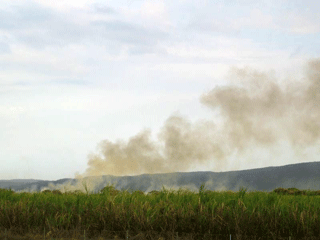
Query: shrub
[
  {"x": 109, "y": 190},
  {"x": 139, "y": 192},
  {"x": 154, "y": 192}
]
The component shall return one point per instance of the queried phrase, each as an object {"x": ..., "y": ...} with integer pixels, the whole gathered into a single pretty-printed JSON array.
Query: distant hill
[
  {"x": 300, "y": 175},
  {"x": 20, "y": 180}
]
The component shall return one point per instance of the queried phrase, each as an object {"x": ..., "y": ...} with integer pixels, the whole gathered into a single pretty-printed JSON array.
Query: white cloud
[
  {"x": 64, "y": 5},
  {"x": 150, "y": 14},
  {"x": 85, "y": 100},
  {"x": 37, "y": 66},
  {"x": 152, "y": 9},
  {"x": 223, "y": 49},
  {"x": 256, "y": 19},
  {"x": 300, "y": 24}
]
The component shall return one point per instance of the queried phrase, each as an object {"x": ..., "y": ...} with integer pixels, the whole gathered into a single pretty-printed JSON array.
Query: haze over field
[{"x": 91, "y": 88}]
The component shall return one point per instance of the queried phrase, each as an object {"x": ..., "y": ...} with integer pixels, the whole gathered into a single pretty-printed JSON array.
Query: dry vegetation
[{"x": 166, "y": 214}]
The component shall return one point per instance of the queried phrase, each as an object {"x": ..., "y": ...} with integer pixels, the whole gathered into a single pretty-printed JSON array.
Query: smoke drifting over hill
[{"x": 256, "y": 111}]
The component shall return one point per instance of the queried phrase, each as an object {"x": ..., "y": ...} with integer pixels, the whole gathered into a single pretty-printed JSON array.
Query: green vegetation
[{"x": 283, "y": 212}]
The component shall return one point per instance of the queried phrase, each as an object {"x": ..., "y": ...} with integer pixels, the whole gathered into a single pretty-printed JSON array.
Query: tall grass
[{"x": 283, "y": 212}]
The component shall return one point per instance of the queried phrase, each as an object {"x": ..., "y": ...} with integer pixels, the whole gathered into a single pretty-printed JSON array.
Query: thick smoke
[
  {"x": 264, "y": 112},
  {"x": 180, "y": 145},
  {"x": 256, "y": 111}
]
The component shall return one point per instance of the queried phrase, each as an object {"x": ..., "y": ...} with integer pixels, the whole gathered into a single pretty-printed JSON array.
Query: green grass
[{"x": 283, "y": 212}]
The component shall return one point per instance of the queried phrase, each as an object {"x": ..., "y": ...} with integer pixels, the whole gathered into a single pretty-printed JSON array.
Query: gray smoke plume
[
  {"x": 261, "y": 111},
  {"x": 179, "y": 145},
  {"x": 256, "y": 110}
]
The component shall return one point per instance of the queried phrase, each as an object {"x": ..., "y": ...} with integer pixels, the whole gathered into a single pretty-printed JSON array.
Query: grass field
[{"x": 164, "y": 214}]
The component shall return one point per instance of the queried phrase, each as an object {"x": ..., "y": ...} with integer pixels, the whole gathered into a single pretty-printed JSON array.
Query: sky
[{"x": 132, "y": 87}]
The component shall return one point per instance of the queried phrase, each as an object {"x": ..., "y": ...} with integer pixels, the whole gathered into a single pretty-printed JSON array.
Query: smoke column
[{"x": 256, "y": 111}]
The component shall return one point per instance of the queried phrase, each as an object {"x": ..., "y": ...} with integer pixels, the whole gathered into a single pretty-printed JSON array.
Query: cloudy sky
[{"x": 126, "y": 74}]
